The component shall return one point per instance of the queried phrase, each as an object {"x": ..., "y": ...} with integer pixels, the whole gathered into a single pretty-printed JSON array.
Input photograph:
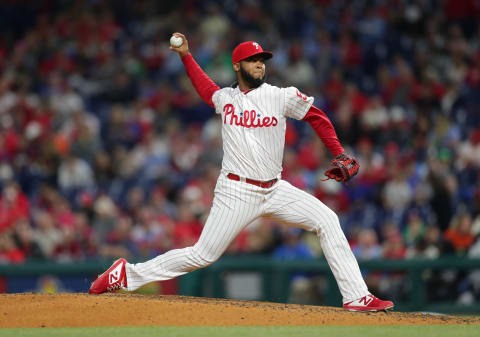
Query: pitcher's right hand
[{"x": 183, "y": 49}]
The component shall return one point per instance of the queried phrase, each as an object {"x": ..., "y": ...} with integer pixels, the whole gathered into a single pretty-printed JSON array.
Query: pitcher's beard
[{"x": 251, "y": 81}]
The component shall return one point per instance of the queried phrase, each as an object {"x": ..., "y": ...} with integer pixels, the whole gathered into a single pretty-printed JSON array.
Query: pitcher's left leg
[{"x": 295, "y": 207}]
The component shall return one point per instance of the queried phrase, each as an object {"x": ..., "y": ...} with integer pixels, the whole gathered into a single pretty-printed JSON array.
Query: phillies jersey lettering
[
  {"x": 248, "y": 119},
  {"x": 254, "y": 125}
]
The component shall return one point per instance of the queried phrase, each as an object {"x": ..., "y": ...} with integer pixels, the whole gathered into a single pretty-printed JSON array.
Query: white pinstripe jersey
[{"x": 253, "y": 127}]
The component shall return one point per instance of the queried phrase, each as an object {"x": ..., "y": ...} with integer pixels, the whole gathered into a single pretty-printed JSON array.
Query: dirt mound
[{"x": 77, "y": 310}]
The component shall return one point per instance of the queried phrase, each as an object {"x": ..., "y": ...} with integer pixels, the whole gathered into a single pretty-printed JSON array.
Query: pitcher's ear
[{"x": 236, "y": 66}]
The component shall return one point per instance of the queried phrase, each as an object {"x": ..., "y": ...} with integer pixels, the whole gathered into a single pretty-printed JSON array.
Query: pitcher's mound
[{"x": 82, "y": 310}]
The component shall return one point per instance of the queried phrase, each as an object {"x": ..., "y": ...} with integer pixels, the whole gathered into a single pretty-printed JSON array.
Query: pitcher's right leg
[{"x": 235, "y": 206}]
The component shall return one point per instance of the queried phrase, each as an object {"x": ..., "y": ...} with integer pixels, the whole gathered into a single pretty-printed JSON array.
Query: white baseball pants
[{"x": 236, "y": 204}]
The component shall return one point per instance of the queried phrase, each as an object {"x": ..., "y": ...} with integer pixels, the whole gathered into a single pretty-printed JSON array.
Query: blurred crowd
[{"x": 106, "y": 149}]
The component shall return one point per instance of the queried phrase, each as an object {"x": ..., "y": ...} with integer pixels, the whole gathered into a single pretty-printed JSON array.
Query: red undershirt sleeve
[
  {"x": 204, "y": 86},
  {"x": 324, "y": 129}
]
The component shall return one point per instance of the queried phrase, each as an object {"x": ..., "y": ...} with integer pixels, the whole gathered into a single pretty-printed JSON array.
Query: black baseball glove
[{"x": 344, "y": 168}]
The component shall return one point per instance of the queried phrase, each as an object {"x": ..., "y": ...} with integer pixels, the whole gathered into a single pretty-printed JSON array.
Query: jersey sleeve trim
[
  {"x": 296, "y": 103},
  {"x": 216, "y": 100}
]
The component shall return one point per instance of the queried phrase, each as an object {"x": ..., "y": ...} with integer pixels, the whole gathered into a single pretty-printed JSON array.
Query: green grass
[{"x": 281, "y": 331}]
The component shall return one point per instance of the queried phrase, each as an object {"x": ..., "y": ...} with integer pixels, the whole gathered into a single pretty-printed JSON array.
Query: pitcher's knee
[
  {"x": 329, "y": 221},
  {"x": 201, "y": 258},
  {"x": 333, "y": 217}
]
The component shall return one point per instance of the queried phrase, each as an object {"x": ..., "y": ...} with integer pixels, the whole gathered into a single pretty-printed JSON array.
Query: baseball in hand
[{"x": 176, "y": 41}]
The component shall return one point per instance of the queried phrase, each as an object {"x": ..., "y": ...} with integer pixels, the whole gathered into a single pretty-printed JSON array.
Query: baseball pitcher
[{"x": 253, "y": 115}]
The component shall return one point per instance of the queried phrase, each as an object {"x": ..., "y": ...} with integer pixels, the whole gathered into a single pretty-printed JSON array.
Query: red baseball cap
[{"x": 246, "y": 49}]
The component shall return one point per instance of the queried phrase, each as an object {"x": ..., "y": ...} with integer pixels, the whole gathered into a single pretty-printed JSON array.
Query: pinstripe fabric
[
  {"x": 237, "y": 204},
  {"x": 294, "y": 207},
  {"x": 257, "y": 153}
]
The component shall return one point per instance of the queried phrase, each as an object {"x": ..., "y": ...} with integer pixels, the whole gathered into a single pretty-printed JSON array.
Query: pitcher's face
[{"x": 251, "y": 70}]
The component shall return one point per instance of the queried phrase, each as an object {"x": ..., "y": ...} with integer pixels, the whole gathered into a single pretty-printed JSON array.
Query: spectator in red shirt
[
  {"x": 459, "y": 234},
  {"x": 14, "y": 205},
  {"x": 187, "y": 229},
  {"x": 9, "y": 252}
]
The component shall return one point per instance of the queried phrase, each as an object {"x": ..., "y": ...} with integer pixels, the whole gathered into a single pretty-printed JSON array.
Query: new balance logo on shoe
[
  {"x": 114, "y": 275},
  {"x": 366, "y": 300},
  {"x": 368, "y": 303},
  {"x": 114, "y": 278}
]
